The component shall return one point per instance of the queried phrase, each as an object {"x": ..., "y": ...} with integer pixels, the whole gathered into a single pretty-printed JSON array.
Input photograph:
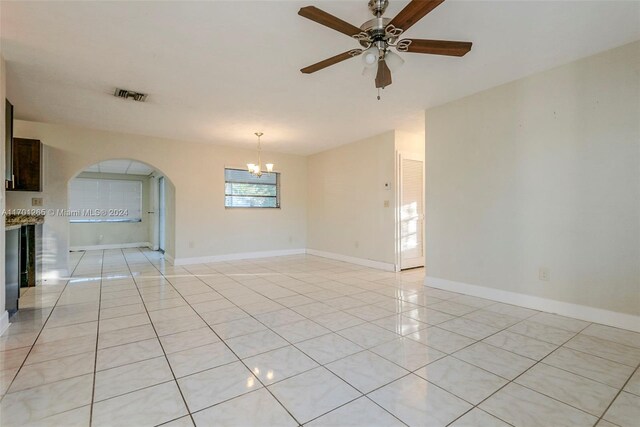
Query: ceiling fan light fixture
[
  {"x": 370, "y": 57},
  {"x": 393, "y": 60},
  {"x": 370, "y": 72},
  {"x": 378, "y": 35}
]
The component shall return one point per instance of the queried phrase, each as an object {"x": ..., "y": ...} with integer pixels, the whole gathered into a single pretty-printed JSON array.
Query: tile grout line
[
  {"x": 309, "y": 356},
  {"x": 95, "y": 360},
  {"x": 294, "y": 345},
  {"x": 364, "y": 349},
  {"x": 450, "y": 354},
  {"x": 40, "y": 331},
  {"x": 513, "y": 381},
  {"x": 476, "y": 341},
  {"x": 409, "y": 372},
  {"x": 230, "y": 349},
  {"x": 268, "y": 327},
  {"x": 617, "y": 395},
  {"x": 331, "y": 331},
  {"x": 175, "y": 379}
]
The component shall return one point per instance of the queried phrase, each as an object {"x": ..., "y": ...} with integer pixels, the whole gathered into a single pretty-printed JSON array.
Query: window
[
  {"x": 243, "y": 190},
  {"x": 105, "y": 200}
]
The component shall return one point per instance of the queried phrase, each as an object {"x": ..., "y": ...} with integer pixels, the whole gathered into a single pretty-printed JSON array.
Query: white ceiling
[
  {"x": 219, "y": 71},
  {"x": 127, "y": 167}
]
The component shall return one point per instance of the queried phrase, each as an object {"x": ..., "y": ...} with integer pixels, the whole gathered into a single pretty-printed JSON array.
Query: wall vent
[{"x": 129, "y": 94}]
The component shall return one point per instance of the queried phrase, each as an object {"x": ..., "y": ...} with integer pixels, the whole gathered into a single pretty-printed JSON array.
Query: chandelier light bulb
[
  {"x": 393, "y": 60},
  {"x": 269, "y": 167},
  {"x": 250, "y": 167},
  {"x": 370, "y": 56}
]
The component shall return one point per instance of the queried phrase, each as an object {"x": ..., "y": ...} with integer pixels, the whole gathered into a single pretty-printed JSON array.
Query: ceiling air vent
[{"x": 129, "y": 94}]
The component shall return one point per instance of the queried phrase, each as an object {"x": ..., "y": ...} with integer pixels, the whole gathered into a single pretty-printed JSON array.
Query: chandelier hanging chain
[
  {"x": 256, "y": 169},
  {"x": 259, "y": 135}
]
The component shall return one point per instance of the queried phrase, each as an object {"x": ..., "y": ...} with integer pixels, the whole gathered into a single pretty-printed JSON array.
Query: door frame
[
  {"x": 162, "y": 214},
  {"x": 400, "y": 156}
]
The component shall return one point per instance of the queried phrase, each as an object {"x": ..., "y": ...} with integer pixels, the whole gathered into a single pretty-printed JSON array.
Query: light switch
[
  {"x": 36, "y": 201},
  {"x": 386, "y": 203}
]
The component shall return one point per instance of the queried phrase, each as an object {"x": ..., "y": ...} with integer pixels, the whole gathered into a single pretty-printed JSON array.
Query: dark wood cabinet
[{"x": 27, "y": 165}]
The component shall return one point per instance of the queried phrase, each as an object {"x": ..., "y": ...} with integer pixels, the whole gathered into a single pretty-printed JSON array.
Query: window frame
[
  {"x": 277, "y": 185},
  {"x": 87, "y": 220}
]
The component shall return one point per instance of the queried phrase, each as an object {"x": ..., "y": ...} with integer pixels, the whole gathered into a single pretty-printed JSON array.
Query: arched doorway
[{"x": 118, "y": 204}]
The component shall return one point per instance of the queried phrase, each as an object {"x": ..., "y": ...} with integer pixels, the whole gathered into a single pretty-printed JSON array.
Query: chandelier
[{"x": 256, "y": 169}]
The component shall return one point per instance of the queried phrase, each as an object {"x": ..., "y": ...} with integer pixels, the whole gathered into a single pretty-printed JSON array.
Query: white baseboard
[
  {"x": 353, "y": 260},
  {"x": 4, "y": 322},
  {"x": 111, "y": 246},
  {"x": 267, "y": 254},
  {"x": 234, "y": 257},
  {"x": 582, "y": 312}
]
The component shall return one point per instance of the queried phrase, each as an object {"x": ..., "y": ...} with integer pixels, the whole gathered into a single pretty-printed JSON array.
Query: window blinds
[
  {"x": 244, "y": 190},
  {"x": 105, "y": 200}
]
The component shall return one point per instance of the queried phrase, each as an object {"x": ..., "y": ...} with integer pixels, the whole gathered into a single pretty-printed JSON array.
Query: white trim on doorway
[{"x": 400, "y": 156}]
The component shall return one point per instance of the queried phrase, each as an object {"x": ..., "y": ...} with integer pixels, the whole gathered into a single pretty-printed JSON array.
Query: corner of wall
[{"x": 3, "y": 94}]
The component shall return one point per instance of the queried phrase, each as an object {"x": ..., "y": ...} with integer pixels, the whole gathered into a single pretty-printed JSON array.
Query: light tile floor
[{"x": 129, "y": 340}]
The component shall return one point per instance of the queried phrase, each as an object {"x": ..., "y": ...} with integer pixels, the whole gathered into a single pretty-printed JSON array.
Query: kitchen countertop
[{"x": 16, "y": 221}]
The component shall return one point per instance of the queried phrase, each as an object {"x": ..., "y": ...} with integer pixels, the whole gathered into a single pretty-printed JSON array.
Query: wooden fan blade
[
  {"x": 331, "y": 61},
  {"x": 438, "y": 47},
  {"x": 328, "y": 20},
  {"x": 413, "y": 12},
  {"x": 383, "y": 78}
]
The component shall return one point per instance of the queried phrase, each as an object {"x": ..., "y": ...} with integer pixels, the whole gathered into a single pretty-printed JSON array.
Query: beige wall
[
  {"x": 410, "y": 142},
  {"x": 346, "y": 213},
  {"x": 542, "y": 172},
  {"x": 203, "y": 227},
  {"x": 114, "y": 233}
]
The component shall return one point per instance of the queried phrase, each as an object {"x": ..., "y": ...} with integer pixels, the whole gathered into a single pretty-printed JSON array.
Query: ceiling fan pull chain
[{"x": 378, "y": 94}]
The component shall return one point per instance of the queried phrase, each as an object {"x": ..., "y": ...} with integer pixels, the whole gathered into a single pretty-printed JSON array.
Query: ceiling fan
[{"x": 378, "y": 35}]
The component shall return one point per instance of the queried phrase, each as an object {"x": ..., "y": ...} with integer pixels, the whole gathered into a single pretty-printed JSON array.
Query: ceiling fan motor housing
[
  {"x": 377, "y": 7},
  {"x": 375, "y": 28}
]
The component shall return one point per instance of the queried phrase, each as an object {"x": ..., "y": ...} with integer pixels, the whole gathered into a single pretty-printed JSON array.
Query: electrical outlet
[
  {"x": 386, "y": 203},
  {"x": 543, "y": 274},
  {"x": 36, "y": 201}
]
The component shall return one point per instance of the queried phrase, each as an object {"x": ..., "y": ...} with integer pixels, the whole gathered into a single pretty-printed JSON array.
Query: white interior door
[{"x": 411, "y": 212}]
